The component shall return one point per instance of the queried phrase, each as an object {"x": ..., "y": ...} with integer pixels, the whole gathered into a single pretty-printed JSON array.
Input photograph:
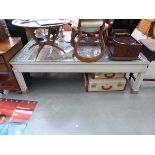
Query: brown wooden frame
[
  {"x": 49, "y": 41},
  {"x": 8, "y": 48},
  {"x": 3, "y": 35},
  {"x": 92, "y": 39}
]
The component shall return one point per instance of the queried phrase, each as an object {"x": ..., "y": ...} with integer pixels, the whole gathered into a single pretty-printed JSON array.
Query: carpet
[{"x": 14, "y": 115}]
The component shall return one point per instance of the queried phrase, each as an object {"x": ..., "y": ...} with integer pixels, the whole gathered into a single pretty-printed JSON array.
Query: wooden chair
[
  {"x": 107, "y": 29},
  {"x": 89, "y": 30}
]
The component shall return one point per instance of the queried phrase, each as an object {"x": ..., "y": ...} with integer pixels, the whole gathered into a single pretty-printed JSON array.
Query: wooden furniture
[
  {"x": 90, "y": 30},
  {"x": 24, "y": 62},
  {"x": 50, "y": 25},
  {"x": 125, "y": 48},
  {"x": 108, "y": 30},
  {"x": 8, "y": 48},
  {"x": 3, "y": 35}
]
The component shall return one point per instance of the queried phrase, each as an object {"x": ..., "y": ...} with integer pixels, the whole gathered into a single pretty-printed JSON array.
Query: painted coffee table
[{"x": 49, "y": 60}]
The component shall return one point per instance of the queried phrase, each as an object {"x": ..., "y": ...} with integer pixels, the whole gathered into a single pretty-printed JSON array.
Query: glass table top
[{"x": 51, "y": 54}]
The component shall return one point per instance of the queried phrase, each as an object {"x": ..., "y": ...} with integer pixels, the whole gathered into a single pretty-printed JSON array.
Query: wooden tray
[{"x": 125, "y": 48}]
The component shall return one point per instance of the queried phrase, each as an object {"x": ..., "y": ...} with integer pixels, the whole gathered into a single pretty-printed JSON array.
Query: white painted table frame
[{"x": 138, "y": 66}]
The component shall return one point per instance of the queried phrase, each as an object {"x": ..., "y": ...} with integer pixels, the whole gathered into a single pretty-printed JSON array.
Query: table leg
[
  {"x": 37, "y": 42},
  {"x": 137, "y": 83},
  {"x": 21, "y": 81},
  {"x": 31, "y": 32},
  {"x": 52, "y": 43}
]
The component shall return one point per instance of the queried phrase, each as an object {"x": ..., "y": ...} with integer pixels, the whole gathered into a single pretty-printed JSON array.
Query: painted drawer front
[
  {"x": 107, "y": 75},
  {"x": 104, "y": 84}
]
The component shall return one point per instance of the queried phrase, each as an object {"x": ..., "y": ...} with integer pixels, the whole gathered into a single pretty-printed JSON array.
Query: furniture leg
[
  {"x": 52, "y": 42},
  {"x": 102, "y": 41},
  {"x": 41, "y": 45},
  {"x": 49, "y": 33},
  {"x": 57, "y": 33},
  {"x": 38, "y": 51},
  {"x": 137, "y": 83},
  {"x": 31, "y": 32},
  {"x": 73, "y": 35},
  {"x": 105, "y": 35},
  {"x": 21, "y": 81}
]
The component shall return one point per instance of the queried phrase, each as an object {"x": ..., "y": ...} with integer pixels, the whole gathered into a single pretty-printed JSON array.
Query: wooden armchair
[
  {"x": 107, "y": 29},
  {"x": 88, "y": 30},
  {"x": 145, "y": 34}
]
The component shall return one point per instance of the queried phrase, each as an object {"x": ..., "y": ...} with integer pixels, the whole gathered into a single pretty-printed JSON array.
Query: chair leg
[
  {"x": 73, "y": 37},
  {"x": 102, "y": 41},
  {"x": 76, "y": 44},
  {"x": 105, "y": 36}
]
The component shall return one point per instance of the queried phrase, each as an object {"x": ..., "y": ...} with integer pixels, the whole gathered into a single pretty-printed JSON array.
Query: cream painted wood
[
  {"x": 138, "y": 81},
  {"x": 20, "y": 80},
  {"x": 81, "y": 68},
  {"x": 150, "y": 73}
]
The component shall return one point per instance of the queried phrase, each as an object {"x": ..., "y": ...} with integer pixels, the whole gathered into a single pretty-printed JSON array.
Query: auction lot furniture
[
  {"x": 90, "y": 30},
  {"x": 25, "y": 62},
  {"x": 8, "y": 48},
  {"x": 125, "y": 48},
  {"x": 53, "y": 29}
]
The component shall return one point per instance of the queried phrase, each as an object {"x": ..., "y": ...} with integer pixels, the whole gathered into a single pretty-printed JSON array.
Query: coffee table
[{"x": 24, "y": 62}]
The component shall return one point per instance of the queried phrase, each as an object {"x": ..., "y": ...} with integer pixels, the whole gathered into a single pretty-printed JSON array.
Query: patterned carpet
[{"x": 14, "y": 115}]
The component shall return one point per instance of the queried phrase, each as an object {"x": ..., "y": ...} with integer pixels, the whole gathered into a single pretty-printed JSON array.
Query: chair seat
[
  {"x": 88, "y": 26},
  {"x": 92, "y": 24}
]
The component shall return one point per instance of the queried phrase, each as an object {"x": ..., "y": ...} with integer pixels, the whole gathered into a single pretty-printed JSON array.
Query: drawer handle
[{"x": 108, "y": 88}]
